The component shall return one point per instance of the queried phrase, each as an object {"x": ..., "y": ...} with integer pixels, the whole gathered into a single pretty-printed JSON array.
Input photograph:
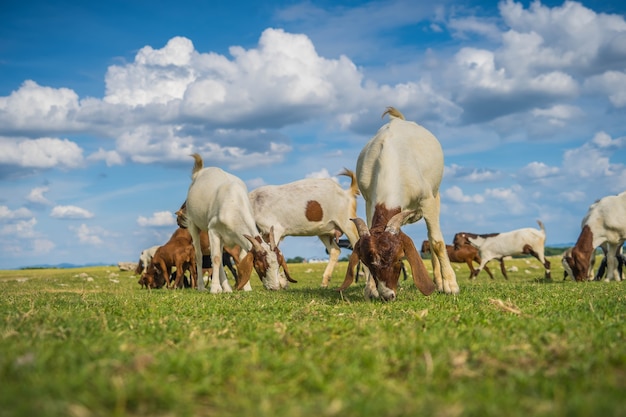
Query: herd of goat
[{"x": 398, "y": 173}]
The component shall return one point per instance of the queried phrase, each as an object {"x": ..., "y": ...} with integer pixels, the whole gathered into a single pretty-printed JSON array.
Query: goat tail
[
  {"x": 393, "y": 113},
  {"x": 354, "y": 186},
  {"x": 541, "y": 226},
  {"x": 197, "y": 166}
]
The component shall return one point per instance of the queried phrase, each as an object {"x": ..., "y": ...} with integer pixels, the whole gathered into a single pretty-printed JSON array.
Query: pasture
[{"x": 89, "y": 342}]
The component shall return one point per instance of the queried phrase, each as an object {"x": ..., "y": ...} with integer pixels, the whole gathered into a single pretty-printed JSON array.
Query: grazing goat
[
  {"x": 145, "y": 257},
  {"x": 230, "y": 256},
  {"x": 309, "y": 207},
  {"x": 399, "y": 172},
  {"x": 177, "y": 252},
  {"x": 217, "y": 202},
  {"x": 527, "y": 241},
  {"x": 604, "y": 223},
  {"x": 567, "y": 271},
  {"x": 465, "y": 254}
]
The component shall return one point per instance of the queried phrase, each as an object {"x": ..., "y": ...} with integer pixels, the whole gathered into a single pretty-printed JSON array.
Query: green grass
[{"x": 98, "y": 345}]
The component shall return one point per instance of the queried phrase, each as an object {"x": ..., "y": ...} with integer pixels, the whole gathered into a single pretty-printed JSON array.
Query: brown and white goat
[
  {"x": 526, "y": 241},
  {"x": 467, "y": 254},
  {"x": 218, "y": 203},
  {"x": 399, "y": 172},
  {"x": 177, "y": 252},
  {"x": 309, "y": 207},
  {"x": 604, "y": 223}
]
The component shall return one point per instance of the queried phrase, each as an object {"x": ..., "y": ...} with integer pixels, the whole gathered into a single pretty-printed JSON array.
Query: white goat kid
[
  {"x": 218, "y": 202},
  {"x": 309, "y": 207}
]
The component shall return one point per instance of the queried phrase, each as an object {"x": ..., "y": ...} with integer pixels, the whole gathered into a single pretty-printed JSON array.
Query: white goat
[
  {"x": 527, "y": 241},
  {"x": 218, "y": 202},
  {"x": 604, "y": 223},
  {"x": 399, "y": 172},
  {"x": 145, "y": 257},
  {"x": 309, "y": 207}
]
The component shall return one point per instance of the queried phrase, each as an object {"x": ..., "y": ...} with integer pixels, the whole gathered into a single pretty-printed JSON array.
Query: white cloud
[
  {"x": 40, "y": 153},
  {"x": 43, "y": 246},
  {"x": 538, "y": 170},
  {"x": 455, "y": 194},
  {"x": 323, "y": 173},
  {"x": 36, "y": 196},
  {"x": 70, "y": 212},
  {"x": 33, "y": 107},
  {"x": 160, "y": 218},
  {"x": 573, "y": 196},
  {"x": 510, "y": 196},
  {"x": 611, "y": 83},
  {"x": 8, "y": 214},
  {"x": 90, "y": 236},
  {"x": 470, "y": 174},
  {"x": 22, "y": 229},
  {"x": 558, "y": 114},
  {"x": 109, "y": 157}
]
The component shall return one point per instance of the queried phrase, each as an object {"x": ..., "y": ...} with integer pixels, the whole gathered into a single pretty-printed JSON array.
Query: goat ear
[
  {"x": 352, "y": 263},
  {"x": 422, "y": 280},
  {"x": 244, "y": 270}
]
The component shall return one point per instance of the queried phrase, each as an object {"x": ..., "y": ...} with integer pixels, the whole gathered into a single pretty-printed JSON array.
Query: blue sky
[{"x": 101, "y": 104}]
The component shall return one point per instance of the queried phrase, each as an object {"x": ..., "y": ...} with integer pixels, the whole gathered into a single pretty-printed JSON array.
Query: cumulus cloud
[
  {"x": 40, "y": 153},
  {"x": 470, "y": 174},
  {"x": 323, "y": 173},
  {"x": 8, "y": 214},
  {"x": 612, "y": 84},
  {"x": 545, "y": 54},
  {"x": 87, "y": 235},
  {"x": 456, "y": 195},
  {"x": 36, "y": 196},
  {"x": 43, "y": 246},
  {"x": 21, "y": 229},
  {"x": 36, "y": 108},
  {"x": 109, "y": 157},
  {"x": 158, "y": 219},
  {"x": 509, "y": 196},
  {"x": 70, "y": 212},
  {"x": 538, "y": 170}
]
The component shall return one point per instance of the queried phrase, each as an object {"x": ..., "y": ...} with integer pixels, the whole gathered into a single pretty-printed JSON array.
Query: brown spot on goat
[{"x": 314, "y": 211}]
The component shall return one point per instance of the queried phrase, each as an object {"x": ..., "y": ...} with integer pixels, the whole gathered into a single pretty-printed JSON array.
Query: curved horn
[
  {"x": 393, "y": 225},
  {"x": 255, "y": 244},
  {"x": 361, "y": 227}
]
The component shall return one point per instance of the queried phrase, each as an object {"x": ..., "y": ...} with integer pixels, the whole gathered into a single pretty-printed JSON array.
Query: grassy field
[{"x": 90, "y": 342}]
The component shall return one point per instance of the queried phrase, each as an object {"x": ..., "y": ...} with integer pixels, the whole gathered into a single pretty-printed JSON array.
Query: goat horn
[
  {"x": 255, "y": 244},
  {"x": 393, "y": 225},
  {"x": 361, "y": 227}
]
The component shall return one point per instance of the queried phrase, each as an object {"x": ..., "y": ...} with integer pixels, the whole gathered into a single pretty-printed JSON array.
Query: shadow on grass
[{"x": 354, "y": 293}]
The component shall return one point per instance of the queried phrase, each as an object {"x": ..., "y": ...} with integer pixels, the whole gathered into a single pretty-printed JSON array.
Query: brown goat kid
[
  {"x": 465, "y": 254},
  {"x": 178, "y": 252}
]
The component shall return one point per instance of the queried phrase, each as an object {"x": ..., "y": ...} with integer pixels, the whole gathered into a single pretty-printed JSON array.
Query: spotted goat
[{"x": 309, "y": 207}]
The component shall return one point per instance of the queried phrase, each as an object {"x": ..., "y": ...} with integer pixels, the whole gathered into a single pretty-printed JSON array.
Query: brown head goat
[
  {"x": 399, "y": 172},
  {"x": 604, "y": 223}
]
